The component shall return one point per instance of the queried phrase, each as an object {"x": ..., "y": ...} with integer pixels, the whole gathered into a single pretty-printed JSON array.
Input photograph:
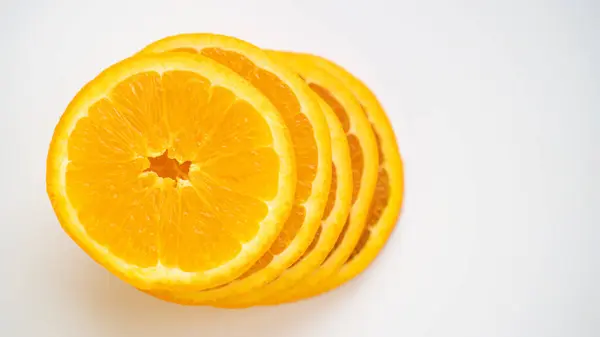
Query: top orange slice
[
  {"x": 172, "y": 172},
  {"x": 387, "y": 200},
  {"x": 312, "y": 147}
]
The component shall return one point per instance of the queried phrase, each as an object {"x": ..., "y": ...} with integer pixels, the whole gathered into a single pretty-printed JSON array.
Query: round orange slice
[
  {"x": 172, "y": 172},
  {"x": 387, "y": 202},
  {"x": 312, "y": 147},
  {"x": 364, "y": 161},
  {"x": 336, "y": 214}
]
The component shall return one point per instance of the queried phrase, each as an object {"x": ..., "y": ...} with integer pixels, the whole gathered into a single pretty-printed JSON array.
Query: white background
[{"x": 496, "y": 106}]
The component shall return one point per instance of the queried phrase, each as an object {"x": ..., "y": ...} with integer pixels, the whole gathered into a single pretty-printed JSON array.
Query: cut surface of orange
[
  {"x": 172, "y": 172},
  {"x": 387, "y": 202},
  {"x": 312, "y": 147},
  {"x": 364, "y": 161},
  {"x": 336, "y": 214}
]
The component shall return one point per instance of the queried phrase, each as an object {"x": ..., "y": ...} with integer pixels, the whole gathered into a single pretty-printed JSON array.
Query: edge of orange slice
[
  {"x": 339, "y": 202},
  {"x": 361, "y": 128},
  {"x": 390, "y": 183}
]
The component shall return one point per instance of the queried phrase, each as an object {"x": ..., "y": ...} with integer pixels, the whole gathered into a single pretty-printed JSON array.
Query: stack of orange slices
[{"x": 204, "y": 170}]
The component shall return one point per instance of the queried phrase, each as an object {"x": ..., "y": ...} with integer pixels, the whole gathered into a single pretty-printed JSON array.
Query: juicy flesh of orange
[
  {"x": 171, "y": 169},
  {"x": 301, "y": 131}
]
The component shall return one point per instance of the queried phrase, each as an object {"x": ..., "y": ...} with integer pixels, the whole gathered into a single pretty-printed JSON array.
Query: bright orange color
[
  {"x": 171, "y": 171},
  {"x": 207, "y": 171}
]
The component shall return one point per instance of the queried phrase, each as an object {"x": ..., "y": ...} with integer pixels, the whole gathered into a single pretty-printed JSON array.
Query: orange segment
[
  {"x": 334, "y": 217},
  {"x": 259, "y": 179},
  {"x": 130, "y": 181},
  {"x": 312, "y": 148},
  {"x": 387, "y": 200},
  {"x": 363, "y": 158}
]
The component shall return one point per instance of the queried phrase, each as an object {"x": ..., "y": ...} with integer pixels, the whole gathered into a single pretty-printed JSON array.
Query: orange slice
[
  {"x": 364, "y": 161},
  {"x": 387, "y": 202},
  {"x": 336, "y": 214},
  {"x": 172, "y": 172},
  {"x": 312, "y": 147}
]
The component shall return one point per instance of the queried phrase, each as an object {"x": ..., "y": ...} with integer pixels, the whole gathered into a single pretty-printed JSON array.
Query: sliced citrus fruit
[
  {"x": 387, "y": 202},
  {"x": 312, "y": 146},
  {"x": 336, "y": 214},
  {"x": 172, "y": 172},
  {"x": 364, "y": 161}
]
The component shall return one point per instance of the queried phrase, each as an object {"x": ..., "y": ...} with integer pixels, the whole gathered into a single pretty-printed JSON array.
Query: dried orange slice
[
  {"x": 172, "y": 172},
  {"x": 387, "y": 201},
  {"x": 334, "y": 218},
  {"x": 312, "y": 147},
  {"x": 364, "y": 161}
]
